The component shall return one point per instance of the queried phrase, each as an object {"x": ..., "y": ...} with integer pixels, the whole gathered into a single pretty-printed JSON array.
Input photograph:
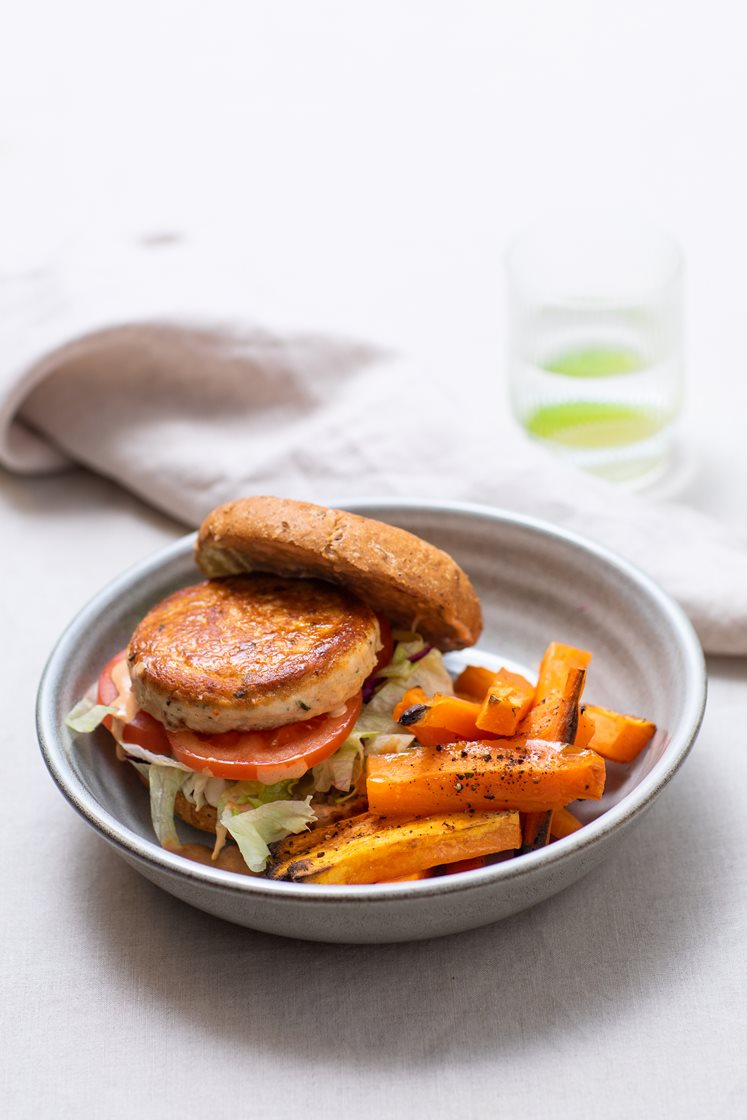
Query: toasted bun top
[{"x": 416, "y": 585}]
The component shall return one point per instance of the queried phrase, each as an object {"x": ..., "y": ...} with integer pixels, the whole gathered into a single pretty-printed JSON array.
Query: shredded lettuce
[
  {"x": 141, "y": 767},
  {"x": 254, "y": 829},
  {"x": 164, "y": 782},
  {"x": 86, "y": 715},
  {"x": 134, "y": 750},
  {"x": 386, "y": 744},
  {"x": 239, "y": 794},
  {"x": 340, "y": 769},
  {"x": 408, "y": 645},
  {"x": 200, "y": 789},
  {"x": 429, "y": 673}
]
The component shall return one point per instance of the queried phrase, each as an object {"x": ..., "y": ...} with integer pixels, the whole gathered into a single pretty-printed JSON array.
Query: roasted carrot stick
[
  {"x": 563, "y": 824},
  {"x": 437, "y": 719},
  {"x": 615, "y": 736},
  {"x": 558, "y": 691},
  {"x": 506, "y": 702},
  {"x": 367, "y": 849},
  {"x": 474, "y": 682},
  {"x": 482, "y": 776}
]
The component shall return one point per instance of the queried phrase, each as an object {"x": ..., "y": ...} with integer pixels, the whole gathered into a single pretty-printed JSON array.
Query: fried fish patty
[{"x": 249, "y": 652}]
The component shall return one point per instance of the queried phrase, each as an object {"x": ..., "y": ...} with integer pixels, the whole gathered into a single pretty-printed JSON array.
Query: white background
[{"x": 362, "y": 166}]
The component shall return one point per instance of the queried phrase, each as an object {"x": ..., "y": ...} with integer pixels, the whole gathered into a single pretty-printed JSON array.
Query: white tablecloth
[{"x": 361, "y": 167}]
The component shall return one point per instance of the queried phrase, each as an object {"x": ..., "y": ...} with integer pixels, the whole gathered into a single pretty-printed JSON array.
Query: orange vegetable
[
  {"x": 367, "y": 849},
  {"x": 499, "y": 745},
  {"x": 554, "y": 713},
  {"x": 563, "y": 824},
  {"x": 437, "y": 719},
  {"x": 411, "y": 698},
  {"x": 462, "y": 865},
  {"x": 620, "y": 738},
  {"x": 408, "y": 878},
  {"x": 482, "y": 775},
  {"x": 557, "y": 720},
  {"x": 474, "y": 682},
  {"x": 556, "y": 662},
  {"x": 535, "y": 831},
  {"x": 506, "y": 702}
]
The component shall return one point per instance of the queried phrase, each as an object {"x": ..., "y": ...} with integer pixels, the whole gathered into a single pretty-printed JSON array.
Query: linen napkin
[{"x": 189, "y": 410}]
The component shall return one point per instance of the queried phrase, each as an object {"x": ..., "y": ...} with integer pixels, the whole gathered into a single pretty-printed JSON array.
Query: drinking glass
[{"x": 595, "y": 336}]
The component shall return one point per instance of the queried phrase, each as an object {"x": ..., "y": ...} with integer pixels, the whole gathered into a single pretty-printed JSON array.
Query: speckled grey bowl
[{"x": 536, "y": 584}]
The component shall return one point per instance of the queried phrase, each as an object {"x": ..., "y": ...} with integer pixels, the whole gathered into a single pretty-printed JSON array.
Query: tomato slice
[
  {"x": 267, "y": 756},
  {"x": 142, "y": 730}
]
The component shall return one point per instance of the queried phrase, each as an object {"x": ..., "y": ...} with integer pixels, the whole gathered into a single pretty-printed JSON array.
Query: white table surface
[{"x": 364, "y": 165}]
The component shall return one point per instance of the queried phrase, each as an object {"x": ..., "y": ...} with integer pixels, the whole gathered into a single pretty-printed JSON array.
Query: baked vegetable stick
[
  {"x": 559, "y": 722},
  {"x": 483, "y": 775},
  {"x": 535, "y": 831},
  {"x": 474, "y": 682},
  {"x": 408, "y": 878},
  {"x": 462, "y": 865},
  {"x": 557, "y": 660},
  {"x": 505, "y": 704},
  {"x": 437, "y": 719},
  {"x": 563, "y": 824},
  {"x": 615, "y": 736},
  {"x": 554, "y": 714},
  {"x": 368, "y": 848}
]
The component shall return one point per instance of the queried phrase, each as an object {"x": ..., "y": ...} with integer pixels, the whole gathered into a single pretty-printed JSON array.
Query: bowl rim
[{"x": 149, "y": 851}]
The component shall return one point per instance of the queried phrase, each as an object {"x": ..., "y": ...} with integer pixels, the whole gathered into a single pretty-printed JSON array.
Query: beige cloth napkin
[{"x": 189, "y": 413}]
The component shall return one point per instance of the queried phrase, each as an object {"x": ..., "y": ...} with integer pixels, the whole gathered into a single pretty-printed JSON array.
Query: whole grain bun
[
  {"x": 416, "y": 585},
  {"x": 205, "y": 818}
]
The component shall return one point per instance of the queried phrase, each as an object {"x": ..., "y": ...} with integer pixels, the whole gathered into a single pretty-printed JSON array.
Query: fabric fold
[{"x": 188, "y": 412}]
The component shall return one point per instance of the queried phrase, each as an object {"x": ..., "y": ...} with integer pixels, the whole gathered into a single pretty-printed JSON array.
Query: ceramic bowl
[{"x": 536, "y": 584}]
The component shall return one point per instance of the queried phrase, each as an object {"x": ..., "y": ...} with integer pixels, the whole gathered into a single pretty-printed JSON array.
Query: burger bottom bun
[{"x": 206, "y": 818}]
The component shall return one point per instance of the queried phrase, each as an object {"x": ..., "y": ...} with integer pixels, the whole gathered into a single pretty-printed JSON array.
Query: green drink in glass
[{"x": 595, "y": 346}]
